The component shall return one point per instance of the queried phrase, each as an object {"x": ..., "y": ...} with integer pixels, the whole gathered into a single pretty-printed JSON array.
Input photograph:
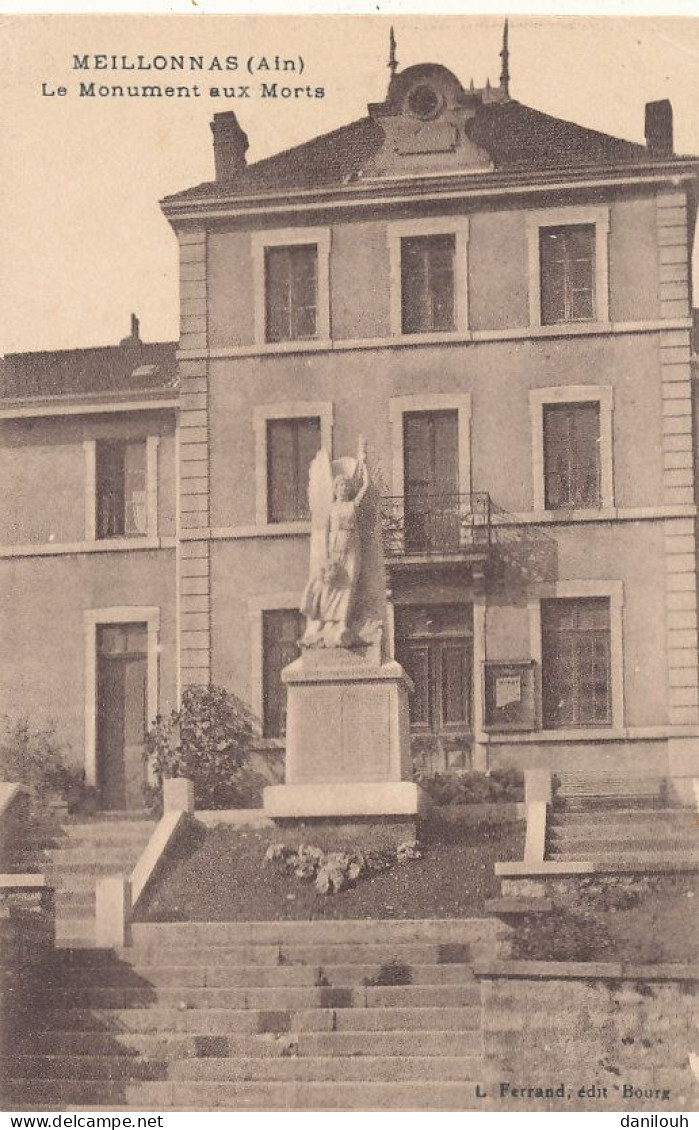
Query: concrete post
[
  {"x": 178, "y": 795},
  {"x": 113, "y": 912},
  {"x": 537, "y": 785}
]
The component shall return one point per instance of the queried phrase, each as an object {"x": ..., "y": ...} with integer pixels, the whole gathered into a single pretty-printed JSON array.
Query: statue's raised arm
[{"x": 335, "y": 492}]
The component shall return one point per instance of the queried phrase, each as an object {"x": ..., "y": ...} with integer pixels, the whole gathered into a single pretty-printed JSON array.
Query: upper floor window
[
  {"x": 291, "y": 447},
  {"x": 281, "y": 631},
  {"x": 291, "y": 288},
  {"x": 572, "y": 456},
  {"x": 428, "y": 259},
  {"x": 291, "y": 293},
  {"x": 567, "y": 274},
  {"x": 576, "y": 662},
  {"x": 572, "y": 447},
  {"x": 427, "y": 284},
  {"x": 568, "y": 256},
  {"x": 120, "y": 481}
]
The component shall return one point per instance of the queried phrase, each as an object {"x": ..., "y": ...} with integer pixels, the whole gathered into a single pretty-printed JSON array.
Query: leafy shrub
[
  {"x": 208, "y": 740},
  {"x": 35, "y": 758},
  {"x": 499, "y": 786}
]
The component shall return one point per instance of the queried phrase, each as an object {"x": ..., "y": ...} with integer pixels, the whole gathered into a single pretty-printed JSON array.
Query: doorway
[
  {"x": 122, "y": 714},
  {"x": 434, "y": 643}
]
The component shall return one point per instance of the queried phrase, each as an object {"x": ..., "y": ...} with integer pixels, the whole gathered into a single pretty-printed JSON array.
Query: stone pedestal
[{"x": 347, "y": 738}]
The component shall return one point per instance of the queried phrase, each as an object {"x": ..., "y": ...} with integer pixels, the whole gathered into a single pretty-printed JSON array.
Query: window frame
[
  {"x": 456, "y": 226},
  {"x": 292, "y": 410},
  {"x": 539, "y": 398},
  {"x": 291, "y": 237},
  {"x": 122, "y": 614},
  {"x": 152, "y": 443},
  {"x": 400, "y": 406},
  {"x": 257, "y": 606},
  {"x": 562, "y": 218},
  {"x": 613, "y": 591}
]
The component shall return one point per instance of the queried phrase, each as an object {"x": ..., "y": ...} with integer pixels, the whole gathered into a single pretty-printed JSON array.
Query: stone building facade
[{"x": 499, "y": 302}]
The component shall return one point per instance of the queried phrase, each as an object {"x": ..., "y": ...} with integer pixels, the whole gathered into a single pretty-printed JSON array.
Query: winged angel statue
[{"x": 335, "y": 492}]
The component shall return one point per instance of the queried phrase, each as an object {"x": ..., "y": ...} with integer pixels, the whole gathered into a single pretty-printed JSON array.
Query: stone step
[
  {"x": 118, "y": 857},
  {"x": 285, "y": 1095},
  {"x": 408, "y": 996},
  {"x": 298, "y": 932},
  {"x": 57, "y": 867},
  {"x": 75, "y": 932},
  {"x": 109, "y": 832},
  {"x": 104, "y": 1031},
  {"x": 638, "y": 842},
  {"x": 72, "y": 903},
  {"x": 338, "y": 952},
  {"x": 653, "y": 816},
  {"x": 294, "y": 1067},
  {"x": 258, "y": 976},
  {"x": 70, "y": 881},
  {"x": 633, "y": 860}
]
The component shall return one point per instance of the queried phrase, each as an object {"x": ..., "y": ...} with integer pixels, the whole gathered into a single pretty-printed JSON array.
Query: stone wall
[
  {"x": 595, "y": 1040},
  {"x": 27, "y": 933}
]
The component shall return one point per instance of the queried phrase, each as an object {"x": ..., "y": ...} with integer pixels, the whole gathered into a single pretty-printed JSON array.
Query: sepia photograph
[{"x": 349, "y": 655}]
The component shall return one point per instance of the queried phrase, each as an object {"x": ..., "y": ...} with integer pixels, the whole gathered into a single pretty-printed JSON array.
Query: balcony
[{"x": 428, "y": 528}]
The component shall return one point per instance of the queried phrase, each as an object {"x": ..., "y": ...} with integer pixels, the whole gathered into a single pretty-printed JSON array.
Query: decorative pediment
[{"x": 425, "y": 122}]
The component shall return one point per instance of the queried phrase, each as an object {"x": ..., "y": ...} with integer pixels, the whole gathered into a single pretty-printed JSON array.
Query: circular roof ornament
[{"x": 425, "y": 102}]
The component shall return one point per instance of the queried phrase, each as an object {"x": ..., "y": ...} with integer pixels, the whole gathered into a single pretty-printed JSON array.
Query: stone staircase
[
  {"x": 327, "y": 1015},
  {"x": 632, "y": 838},
  {"x": 73, "y": 854}
]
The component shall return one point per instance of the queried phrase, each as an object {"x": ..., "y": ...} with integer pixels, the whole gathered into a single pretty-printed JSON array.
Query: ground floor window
[
  {"x": 575, "y": 661},
  {"x": 434, "y": 643},
  {"x": 282, "y": 629}
]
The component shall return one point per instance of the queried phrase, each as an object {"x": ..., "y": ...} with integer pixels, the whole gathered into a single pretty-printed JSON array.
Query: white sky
[{"x": 82, "y": 239}]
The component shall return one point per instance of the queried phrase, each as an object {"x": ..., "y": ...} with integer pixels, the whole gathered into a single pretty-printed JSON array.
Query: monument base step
[{"x": 345, "y": 799}]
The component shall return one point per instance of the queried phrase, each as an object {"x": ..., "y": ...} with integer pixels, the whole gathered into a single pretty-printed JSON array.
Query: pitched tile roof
[
  {"x": 131, "y": 366},
  {"x": 517, "y": 137}
]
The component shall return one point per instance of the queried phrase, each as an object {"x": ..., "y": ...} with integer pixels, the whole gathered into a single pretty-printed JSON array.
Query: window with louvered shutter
[
  {"x": 572, "y": 456},
  {"x": 576, "y": 668},
  {"x": 291, "y": 447},
  {"x": 291, "y": 292},
  {"x": 427, "y": 284},
  {"x": 281, "y": 631},
  {"x": 567, "y": 262}
]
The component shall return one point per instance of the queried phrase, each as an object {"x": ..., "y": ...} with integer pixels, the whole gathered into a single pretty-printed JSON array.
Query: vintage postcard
[{"x": 348, "y": 564}]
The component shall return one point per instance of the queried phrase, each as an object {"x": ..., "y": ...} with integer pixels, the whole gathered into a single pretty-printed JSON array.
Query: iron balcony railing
[{"x": 435, "y": 524}]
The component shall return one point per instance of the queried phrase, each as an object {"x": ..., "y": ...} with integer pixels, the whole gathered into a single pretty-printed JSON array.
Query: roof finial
[
  {"x": 505, "y": 56},
  {"x": 392, "y": 61}
]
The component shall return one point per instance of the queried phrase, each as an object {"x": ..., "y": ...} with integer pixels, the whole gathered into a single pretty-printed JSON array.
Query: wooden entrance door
[
  {"x": 435, "y": 645},
  {"x": 122, "y": 698},
  {"x": 431, "y": 469}
]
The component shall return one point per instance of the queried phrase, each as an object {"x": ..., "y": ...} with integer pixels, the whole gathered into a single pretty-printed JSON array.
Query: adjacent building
[{"x": 499, "y": 302}]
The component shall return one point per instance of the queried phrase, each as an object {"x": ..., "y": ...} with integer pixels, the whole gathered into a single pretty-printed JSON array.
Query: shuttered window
[
  {"x": 576, "y": 671},
  {"x": 572, "y": 456},
  {"x": 291, "y": 292},
  {"x": 431, "y": 463},
  {"x": 291, "y": 447},
  {"x": 281, "y": 631},
  {"x": 121, "y": 488},
  {"x": 427, "y": 284},
  {"x": 567, "y": 260}
]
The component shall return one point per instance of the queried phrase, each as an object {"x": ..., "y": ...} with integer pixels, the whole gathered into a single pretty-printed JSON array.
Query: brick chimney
[
  {"x": 659, "y": 139},
  {"x": 230, "y": 146}
]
